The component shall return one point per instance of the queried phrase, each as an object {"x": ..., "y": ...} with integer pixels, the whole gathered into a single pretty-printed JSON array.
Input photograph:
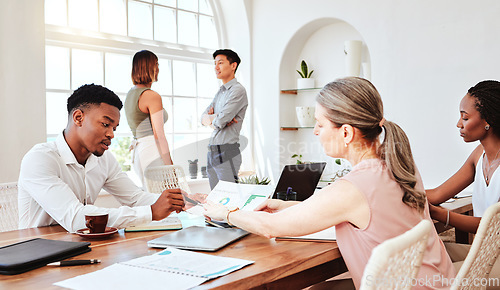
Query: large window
[{"x": 93, "y": 41}]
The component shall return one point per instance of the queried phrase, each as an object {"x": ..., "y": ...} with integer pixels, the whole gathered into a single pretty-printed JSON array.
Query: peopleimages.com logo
[{"x": 434, "y": 281}]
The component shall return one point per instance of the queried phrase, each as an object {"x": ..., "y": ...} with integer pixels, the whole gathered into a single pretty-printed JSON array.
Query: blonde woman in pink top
[{"x": 381, "y": 198}]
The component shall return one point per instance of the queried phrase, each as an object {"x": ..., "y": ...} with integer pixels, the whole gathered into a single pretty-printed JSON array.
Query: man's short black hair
[
  {"x": 230, "y": 55},
  {"x": 92, "y": 95}
]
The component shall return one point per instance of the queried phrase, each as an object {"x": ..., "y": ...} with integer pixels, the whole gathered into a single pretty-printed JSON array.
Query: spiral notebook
[{"x": 180, "y": 269}]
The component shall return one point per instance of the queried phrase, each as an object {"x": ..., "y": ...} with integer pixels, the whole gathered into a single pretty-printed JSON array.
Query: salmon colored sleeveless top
[{"x": 389, "y": 217}]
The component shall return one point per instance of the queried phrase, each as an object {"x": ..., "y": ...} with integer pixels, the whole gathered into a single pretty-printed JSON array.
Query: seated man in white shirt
[{"x": 59, "y": 181}]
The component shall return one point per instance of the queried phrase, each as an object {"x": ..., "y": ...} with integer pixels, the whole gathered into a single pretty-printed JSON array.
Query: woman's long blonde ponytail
[{"x": 355, "y": 101}]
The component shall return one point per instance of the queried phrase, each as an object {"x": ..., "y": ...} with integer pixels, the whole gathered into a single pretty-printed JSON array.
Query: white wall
[
  {"x": 234, "y": 16},
  {"x": 22, "y": 82},
  {"x": 424, "y": 56}
]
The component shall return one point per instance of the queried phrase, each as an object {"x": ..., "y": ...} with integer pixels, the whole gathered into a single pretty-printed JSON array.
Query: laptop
[
  {"x": 302, "y": 178},
  {"x": 199, "y": 238}
]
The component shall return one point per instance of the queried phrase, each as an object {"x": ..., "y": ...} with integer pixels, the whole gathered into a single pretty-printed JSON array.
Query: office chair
[
  {"x": 159, "y": 178},
  {"x": 9, "y": 214},
  {"x": 395, "y": 258},
  {"x": 483, "y": 252}
]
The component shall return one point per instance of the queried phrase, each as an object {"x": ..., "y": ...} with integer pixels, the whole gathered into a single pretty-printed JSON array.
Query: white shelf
[
  {"x": 294, "y": 128},
  {"x": 295, "y": 91}
]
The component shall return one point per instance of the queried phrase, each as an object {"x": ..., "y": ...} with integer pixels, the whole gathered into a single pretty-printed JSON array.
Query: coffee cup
[{"x": 96, "y": 222}]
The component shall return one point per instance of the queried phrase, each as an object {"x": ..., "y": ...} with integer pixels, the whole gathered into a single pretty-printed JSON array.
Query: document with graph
[
  {"x": 243, "y": 196},
  {"x": 169, "y": 269}
]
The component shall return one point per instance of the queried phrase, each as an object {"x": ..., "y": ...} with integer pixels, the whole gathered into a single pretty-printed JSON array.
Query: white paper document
[
  {"x": 169, "y": 269},
  {"x": 243, "y": 196}
]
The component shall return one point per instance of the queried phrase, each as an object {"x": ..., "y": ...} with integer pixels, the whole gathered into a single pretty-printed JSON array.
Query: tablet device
[
  {"x": 199, "y": 238},
  {"x": 28, "y": 255},
  {"x": 302, "y": 178}
]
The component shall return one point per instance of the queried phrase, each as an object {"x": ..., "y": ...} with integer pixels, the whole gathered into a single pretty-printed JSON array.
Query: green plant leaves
[
  {"x": 300, "y": 73},
  {"x": 303, "y": 67},
  {"x": 304, "y": 71},
  {"x": 254, "y": 179}
]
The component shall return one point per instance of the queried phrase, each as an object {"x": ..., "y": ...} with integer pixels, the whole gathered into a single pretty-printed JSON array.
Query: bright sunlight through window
[{"x": 93, "y": 41}]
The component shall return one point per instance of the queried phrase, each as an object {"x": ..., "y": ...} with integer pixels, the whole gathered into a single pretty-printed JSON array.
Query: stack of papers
[{"x": 168, "y": 269}]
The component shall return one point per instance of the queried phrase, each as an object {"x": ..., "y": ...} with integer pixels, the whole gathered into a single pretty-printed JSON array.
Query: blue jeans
[{"x": 223, "y": 163}]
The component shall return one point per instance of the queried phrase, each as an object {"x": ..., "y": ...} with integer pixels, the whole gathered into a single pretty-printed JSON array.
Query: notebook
[
  {"x": 28, "y": 255},
  {"x": 169, "y": 269},
  {"x": 302, "y": 178},
  {"x": 199, "y": 238}
]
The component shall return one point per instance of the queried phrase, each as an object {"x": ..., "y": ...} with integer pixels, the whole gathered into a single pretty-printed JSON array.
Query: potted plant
[
  {"x": 305, "y": 81},
  {"x": 254, "y": 179},
  {"x": 305, "y": 115},
  {"x": 343, "y": 167},
  {"x": 299, "y": 158}
]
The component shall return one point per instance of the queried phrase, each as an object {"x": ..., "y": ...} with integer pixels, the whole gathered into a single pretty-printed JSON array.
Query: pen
[
  {"x": 195, "y": 202},
  {"x": 74, "y": 262}
]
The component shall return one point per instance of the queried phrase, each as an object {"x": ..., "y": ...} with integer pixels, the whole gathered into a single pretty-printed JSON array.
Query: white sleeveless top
[{"x": 484, "y": 195}]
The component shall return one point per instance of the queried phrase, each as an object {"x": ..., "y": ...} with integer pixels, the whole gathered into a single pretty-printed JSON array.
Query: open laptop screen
[{"x": 302, "y": 178}]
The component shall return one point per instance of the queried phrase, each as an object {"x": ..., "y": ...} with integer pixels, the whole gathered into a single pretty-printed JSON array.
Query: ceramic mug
[{"x": 96, "y": 222}]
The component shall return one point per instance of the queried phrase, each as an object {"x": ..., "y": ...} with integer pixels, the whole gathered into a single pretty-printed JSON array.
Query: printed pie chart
[{"x": 224, "y": 201}]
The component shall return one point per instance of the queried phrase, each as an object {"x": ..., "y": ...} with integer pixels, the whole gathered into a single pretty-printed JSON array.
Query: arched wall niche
[{"x": 321, "y": 44}]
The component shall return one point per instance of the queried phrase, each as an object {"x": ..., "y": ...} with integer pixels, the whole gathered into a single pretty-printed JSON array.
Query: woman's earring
[
  {"x": 345, "y": 145},
  {"x": 487, "y": 127}
]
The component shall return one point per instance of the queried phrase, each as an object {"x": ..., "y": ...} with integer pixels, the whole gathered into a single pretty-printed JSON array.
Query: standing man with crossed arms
[{"x": 225, "y": 115}]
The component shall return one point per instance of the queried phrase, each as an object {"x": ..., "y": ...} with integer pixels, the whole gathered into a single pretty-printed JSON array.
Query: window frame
[{"x": 75, "y": 38}]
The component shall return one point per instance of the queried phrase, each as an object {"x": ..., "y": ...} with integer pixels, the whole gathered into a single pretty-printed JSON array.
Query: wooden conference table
[{"x": 278, "y": 264}]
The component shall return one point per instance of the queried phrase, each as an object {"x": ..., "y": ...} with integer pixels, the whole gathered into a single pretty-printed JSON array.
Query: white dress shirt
[
  {"x": 229, "y": 102},
  {"x": 55, "y": 188}
]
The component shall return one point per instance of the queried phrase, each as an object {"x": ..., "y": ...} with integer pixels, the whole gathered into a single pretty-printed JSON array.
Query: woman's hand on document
[{"x": 215, "y": 211}]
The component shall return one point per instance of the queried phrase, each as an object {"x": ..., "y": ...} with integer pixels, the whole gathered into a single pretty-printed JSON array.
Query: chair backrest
[
  {"x": 395, "y": 263},
  {"x": 9, "y": 214},
  {"x": 483, "y": 252},
  {"x": 159, "y": 178}
]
